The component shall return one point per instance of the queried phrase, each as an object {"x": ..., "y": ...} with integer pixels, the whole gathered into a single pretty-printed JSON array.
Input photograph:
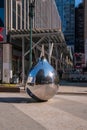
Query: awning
[{"x": 55, "y": 35}]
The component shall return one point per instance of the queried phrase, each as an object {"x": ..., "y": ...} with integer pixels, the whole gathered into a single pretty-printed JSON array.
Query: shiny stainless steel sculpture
[{"x": 42, "y": 82}]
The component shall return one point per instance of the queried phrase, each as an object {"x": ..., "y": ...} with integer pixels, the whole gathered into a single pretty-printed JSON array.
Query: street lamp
[{"x": 31, "y": 14}]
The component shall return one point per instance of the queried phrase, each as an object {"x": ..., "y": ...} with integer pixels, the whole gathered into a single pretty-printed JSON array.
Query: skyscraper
[
  {"x": 66, "y": 10},
  {"x": 79, "y": 28},
  {"x": 85, "y": 30}
]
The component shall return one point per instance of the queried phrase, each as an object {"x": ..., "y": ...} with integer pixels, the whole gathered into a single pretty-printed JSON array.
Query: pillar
[{"x": 7, "y": 63}]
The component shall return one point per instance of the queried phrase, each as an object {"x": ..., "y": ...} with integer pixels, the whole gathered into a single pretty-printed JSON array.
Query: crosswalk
[
  {"x": 59, "y": 113},
  {"x": 62, "y": 112}
]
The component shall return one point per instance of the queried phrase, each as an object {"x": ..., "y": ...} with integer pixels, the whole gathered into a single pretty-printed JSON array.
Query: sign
[
  {"x": 2, "y": 34},
  {"x": 79, "y": 60},
  {"x": 2, "y": 29}
]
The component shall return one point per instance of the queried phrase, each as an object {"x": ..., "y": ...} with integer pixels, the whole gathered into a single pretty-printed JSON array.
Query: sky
[{"x": 77, "y": 2}]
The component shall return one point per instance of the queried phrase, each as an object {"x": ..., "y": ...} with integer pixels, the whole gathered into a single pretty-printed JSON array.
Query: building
[
  {"x": 81, "y": 35},
  {"x": 79, "y": 28},
  {"x": 44, "y": 17},
  {"x": 15, "y": 23},
  {"x": 85, "y": 31},
  {"x": 66, "y": 10},
  {"x": 79, "y": 60}
]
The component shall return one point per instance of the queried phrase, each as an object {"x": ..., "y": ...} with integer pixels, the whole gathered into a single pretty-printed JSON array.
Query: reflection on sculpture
[{"x": 42, "y": 82}]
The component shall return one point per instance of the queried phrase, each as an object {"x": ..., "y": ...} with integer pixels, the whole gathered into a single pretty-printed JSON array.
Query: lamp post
[{"x": 31, "y": 14}]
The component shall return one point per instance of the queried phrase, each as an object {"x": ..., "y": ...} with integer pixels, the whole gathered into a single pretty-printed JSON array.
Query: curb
[
  {"x": 9, "y": 89},
  {"x": 72, "y": 93}
]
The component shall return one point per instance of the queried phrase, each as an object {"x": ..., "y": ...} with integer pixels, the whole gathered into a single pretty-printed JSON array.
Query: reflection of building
[{"x": 17, "y": 18}]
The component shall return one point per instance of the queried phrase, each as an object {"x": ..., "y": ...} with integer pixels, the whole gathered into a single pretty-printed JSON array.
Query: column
[{"x": 7, "y": 63}]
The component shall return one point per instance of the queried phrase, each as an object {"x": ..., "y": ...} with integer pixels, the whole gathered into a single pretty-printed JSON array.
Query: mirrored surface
[{"x": 42, "y": 82}]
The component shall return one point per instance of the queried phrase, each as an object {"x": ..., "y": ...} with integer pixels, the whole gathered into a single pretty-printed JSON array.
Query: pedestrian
[{"x": 60, "y": 72}]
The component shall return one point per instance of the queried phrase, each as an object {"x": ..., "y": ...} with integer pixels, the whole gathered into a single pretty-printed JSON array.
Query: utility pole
[{"x": 31, "y": 14}]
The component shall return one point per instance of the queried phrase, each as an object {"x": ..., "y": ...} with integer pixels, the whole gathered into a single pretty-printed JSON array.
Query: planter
[{"x": 9, "y": 89}]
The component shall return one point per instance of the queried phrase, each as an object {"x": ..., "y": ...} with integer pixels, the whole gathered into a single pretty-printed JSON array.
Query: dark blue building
[
  {"x": 66, "y": 10},
  {"x": 2, "y": 13}
]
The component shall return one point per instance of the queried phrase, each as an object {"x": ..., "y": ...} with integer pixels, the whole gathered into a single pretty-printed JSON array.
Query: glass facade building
[
  {"x": 66, "y": 10},
  {"x": 2, "y": 13},
  {"x": 79, "y": 28},
  {"x": 85, "y": 30}
]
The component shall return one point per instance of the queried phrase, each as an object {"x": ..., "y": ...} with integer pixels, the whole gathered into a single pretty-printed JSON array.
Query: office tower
[
  {"x": 85, "y": 31},
  {"x": 79, "y": 28},
  {"x": 66, "y": 10},
  {"x": 81, "y": 33}
]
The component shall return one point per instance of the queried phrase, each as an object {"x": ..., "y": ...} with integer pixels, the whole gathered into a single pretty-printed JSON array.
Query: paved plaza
[
  {"x": 18, "y": 111},
  {"x": 79, "y": 88}
]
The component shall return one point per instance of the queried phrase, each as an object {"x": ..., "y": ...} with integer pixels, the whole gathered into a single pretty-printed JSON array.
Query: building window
[{"x": 19, "y": 14}]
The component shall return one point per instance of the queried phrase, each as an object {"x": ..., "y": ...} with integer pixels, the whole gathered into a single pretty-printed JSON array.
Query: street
[{"x": 63, "y": 112}]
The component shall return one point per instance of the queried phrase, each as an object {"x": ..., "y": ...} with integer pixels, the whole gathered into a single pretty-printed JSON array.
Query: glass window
[{"x": 1, "y": 13}]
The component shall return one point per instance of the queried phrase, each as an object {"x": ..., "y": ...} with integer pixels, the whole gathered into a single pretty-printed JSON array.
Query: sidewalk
[{"x": 66, "y": 87}]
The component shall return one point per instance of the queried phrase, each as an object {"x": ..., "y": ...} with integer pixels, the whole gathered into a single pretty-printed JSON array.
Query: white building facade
[
  {"x": 16, "y": 17},
  {"x": 45, "y": 14}
]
